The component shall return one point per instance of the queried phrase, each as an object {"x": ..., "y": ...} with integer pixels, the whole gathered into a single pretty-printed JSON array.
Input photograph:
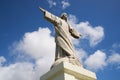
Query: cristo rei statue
[
  {"x": 63, "y": 32},
  {"x": 66, "y": 65}
]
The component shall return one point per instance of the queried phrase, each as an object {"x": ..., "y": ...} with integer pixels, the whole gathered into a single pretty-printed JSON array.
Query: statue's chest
[{"x": 64, "y": 25}]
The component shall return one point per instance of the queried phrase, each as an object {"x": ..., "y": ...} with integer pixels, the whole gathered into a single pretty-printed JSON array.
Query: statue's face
[{"x": 64, "y": 16}]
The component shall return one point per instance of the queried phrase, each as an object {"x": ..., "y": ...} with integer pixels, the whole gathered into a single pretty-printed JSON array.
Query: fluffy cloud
[
  {"x": 2, "y": 60},
  {"x": 60, "y": 3},
  {"x": 24, "y": 70},
  {"x": 96, "y": 61},
  {"x": 40, "y": 46},
  {"x": 94, "y": 34},
  {"x": 99, "y": 60},
  {"x": 51, "y": 3},
  {"x": 65, "y": 4},
  {"x": 114, "y": 58},
  {"x": 37, "y": 44},
  {"x": 19, "y": 71}
]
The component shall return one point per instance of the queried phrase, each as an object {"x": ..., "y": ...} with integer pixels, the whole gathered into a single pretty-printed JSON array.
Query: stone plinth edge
[{"x": 68, "y": 71}]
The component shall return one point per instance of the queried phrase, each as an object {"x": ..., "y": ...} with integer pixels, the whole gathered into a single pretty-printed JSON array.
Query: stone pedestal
[{"x": 67, "y": 71}]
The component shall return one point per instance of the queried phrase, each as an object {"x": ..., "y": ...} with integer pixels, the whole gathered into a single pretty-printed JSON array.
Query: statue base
[{"x": 68, "y": 71}]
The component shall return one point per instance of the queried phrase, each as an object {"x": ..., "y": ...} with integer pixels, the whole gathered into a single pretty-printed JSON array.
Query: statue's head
[{"x": 64, "y": 16}]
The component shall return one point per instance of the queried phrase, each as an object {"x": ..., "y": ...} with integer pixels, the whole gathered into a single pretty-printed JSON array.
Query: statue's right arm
[{"x": 50, "y": 17}]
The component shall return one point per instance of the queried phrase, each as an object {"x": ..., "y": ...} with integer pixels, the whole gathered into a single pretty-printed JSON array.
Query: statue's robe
[{"x": 63, "y": 33}]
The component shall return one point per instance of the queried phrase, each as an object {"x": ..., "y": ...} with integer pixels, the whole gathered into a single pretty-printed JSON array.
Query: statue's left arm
[{"x": 73, "y": 32}]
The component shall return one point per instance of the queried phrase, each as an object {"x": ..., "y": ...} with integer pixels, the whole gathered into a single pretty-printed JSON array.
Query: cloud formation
[
  {"x": 51, "y": 3},
  {"x": 17, "y": 71},
  {"x": 96, "y": 61},
  {"x": 63, "y": 4},
  {"x": 94, "y": 34},
  {"x": 36, "y": 44},
  {"x": 2, "y": 60},
  {"x": 40, "y": 46},
  {"x": 114, "y": 58}
]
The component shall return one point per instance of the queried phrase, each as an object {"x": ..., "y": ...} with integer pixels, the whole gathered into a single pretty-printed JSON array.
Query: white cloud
[
  {"x": 51, "y": 3},
  {"x": 18, "y": 71},
  {"x": 2, "y": 60},
  {"x": 37, "y": 44},
  {"x": 96, "y": 61},
  {"x": 25, "y": 70},
  {"x": 43, "y": 66},
  {"x": 72, "y": 19},
  {"x": 116, "y": 45},
  {"x": 59, "y": 4},
  {"x": 94, "y": 34},
  {"x": 114, "y": 58},
  {"x": 99, "y": 60},
  {"x": 40, "y": 46},
  {"x": 65, "y": 4}
]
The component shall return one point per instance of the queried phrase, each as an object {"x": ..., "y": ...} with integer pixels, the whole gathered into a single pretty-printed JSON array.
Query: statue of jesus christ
[{"x": 63, "y": 32}]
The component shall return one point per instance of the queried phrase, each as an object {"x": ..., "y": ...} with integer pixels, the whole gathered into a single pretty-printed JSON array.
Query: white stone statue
[{"x": 63, "y": 32}]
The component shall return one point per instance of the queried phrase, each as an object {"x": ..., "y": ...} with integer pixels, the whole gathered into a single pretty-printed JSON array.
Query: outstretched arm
[{"x": 49, "y": 16}]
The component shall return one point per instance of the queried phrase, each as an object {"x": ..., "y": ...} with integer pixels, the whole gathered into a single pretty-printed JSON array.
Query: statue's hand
[
  {"x": 74, "y": 33},
  {"x": 43, "y": 10}
]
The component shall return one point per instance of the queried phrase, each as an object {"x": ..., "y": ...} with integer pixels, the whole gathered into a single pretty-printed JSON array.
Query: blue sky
[{"x": 27, "y": 39}]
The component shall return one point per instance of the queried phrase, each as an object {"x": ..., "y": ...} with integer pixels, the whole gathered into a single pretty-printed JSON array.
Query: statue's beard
[{"x": 64, "y": 19}]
